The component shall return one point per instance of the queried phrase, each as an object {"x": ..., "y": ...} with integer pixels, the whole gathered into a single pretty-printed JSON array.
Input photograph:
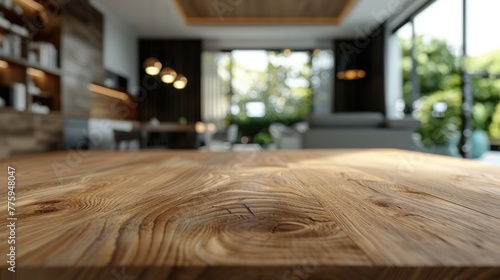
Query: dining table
[
  {"x": 167, "y": 128},
  {"x": 285, "y": 215}
]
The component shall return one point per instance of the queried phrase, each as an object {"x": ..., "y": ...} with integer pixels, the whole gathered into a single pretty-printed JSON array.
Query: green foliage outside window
[
  {"x": 283, "y": 87},
  {"x": 495, "y": 124},
  {"x": 440, "y": 127},
  {"x": 440, "y": 81}
]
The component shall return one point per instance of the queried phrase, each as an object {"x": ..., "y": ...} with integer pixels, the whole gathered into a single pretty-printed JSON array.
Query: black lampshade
[{"x": 350, "y": 68}]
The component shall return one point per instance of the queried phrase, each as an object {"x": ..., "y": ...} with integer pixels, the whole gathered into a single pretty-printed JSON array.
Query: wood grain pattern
[
  {"x": 81, "y": 56},
  {"x": 105, "y": 107},
  {"x": 27, "y": 133},
  {"x": 333, "y": 214},
  {"x": 264, "y": 11}
]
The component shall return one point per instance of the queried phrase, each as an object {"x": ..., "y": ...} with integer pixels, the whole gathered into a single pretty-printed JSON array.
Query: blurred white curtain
[
  {"x": 322, "y": 82},
  {"x": 215, "y": 87}
]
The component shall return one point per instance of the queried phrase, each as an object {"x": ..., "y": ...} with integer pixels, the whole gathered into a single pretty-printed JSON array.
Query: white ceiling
[{"x": 160, "y": 19}]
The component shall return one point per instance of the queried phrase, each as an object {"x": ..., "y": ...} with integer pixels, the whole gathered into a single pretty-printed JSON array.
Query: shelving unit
[
  {"x": 24, "y": 63},
  {"x": 42, "y": 83},
  {"x": 75, "y": 36}
]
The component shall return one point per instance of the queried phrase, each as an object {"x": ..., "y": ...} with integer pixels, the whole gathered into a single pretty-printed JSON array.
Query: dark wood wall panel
[
  {"x": 368, "y": 94},
  {"x": 81, "y": 56},
  {"x": 163, "y": 101}
]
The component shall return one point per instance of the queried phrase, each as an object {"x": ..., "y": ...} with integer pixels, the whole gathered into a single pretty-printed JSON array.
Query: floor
[{"x": 491, "y": 158}]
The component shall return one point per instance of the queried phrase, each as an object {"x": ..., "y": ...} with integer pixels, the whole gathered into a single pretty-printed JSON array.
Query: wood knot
[
  {"x": 49, "y": 202},
  {"x": 48, "y": 206},
  {"x": 46, "y": 210},
  {"x": 383, "y": 204}
]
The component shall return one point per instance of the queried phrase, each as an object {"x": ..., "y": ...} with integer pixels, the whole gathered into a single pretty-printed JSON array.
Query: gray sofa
[{"x": 359, "y": 130}]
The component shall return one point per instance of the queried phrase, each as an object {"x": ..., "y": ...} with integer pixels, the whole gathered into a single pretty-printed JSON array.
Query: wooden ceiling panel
[{"x": 264, "y": 11}]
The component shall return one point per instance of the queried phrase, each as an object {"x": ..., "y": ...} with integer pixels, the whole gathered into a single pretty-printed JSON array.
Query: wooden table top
[{"x": 318, "y": 214}]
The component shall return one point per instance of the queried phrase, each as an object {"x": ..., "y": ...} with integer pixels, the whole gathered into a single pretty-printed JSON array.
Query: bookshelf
[
  {"x": 30, "y": 43},
  {"x": 60, "y": 96}
]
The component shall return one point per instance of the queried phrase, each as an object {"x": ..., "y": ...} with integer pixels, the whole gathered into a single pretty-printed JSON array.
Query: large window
[
  {"x": 432, "y": 64},
  {"x": 484, "y": 57},
  {"x": 431, "y": 51},
  {"x": 273, "y": 85},
  {"x": 260, "y": 87}
]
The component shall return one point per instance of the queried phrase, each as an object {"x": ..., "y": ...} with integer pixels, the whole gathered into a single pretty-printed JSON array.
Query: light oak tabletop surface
[{"x": 311, "y": 214}]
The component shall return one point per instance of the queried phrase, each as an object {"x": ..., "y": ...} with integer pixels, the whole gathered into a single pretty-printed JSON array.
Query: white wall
[
  {"x": 121, "y": 46},
  {"x": 121, "y": 52}
]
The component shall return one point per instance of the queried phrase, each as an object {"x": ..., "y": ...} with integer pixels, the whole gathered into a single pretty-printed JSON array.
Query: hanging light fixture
[
  {"x": 350, "y": 68},
  {"x": 180, "y": 82},
  {"x": 152, "y": 66},
  {"x": 351, "y": 74},
  {"x": 168, "y": 75}
]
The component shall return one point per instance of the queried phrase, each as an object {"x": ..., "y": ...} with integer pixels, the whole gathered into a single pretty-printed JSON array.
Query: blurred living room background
[{"x": 161, "y": 74}]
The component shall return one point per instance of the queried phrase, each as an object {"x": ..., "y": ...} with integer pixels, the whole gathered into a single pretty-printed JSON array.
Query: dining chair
[{"x": 126, "y": 136}]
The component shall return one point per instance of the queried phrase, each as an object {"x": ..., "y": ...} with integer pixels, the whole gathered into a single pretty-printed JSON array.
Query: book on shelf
[
  {"x": 43, "y": 54},
  {"x": 12, "y": 6},
  {"x": 20, "y": 30},
  {"x": 5, "y": 23},
  {"x": 7, "y": 4},
  {"x": 40, "y": 108},
  {"x": 11, "y": 45},
  {"x": 14, "y": 96},
  {"x": 9, "y": 26}
]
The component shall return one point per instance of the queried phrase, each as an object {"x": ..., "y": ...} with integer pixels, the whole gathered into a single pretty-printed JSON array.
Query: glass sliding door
[{"x": 483, "y": 64}]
